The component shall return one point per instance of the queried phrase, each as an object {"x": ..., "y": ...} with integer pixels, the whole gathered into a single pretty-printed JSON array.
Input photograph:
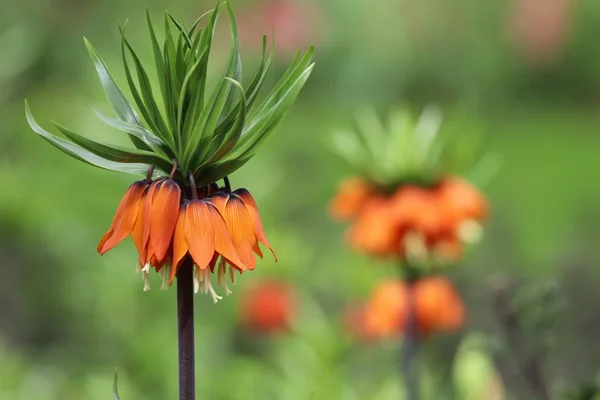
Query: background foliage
[{"x": 70, "y": 316}]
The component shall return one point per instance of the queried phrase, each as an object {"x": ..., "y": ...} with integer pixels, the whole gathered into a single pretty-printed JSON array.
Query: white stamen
[
  {"x": 207, "y": 286},
  {"x": 196, "y": 279},
  {"x": 146, "y": 267},
  {"x": 138, "y": 266},
  {"x": 470, "y": 231},
  {"x": 415, "y": 247},
  {"x": 165, "y": 274},
  {"x": 146, "y": 277},
  {"x": 221, "y": 270},
  {"x": 232, "y": 275}
]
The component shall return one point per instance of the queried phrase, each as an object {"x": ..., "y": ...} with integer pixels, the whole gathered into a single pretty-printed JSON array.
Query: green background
[{"x": 70, "y": 316}]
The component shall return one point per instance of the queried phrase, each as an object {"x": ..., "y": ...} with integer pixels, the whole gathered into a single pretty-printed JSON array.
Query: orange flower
[
  {"x": 202, "y": 234},
  {"x": 417, "y": 209},
  {"x": 461, "y": 200},
  {"x": 160, "y": 217},
  {"x": 268, "y": 307},
  {"x": 126, "y": 218},
  {"x": 243, "y": 223},
  {"x": 374, "y": 231},
  {"x": 350, "y": 199},
  {"x": 437, "y": 307}
]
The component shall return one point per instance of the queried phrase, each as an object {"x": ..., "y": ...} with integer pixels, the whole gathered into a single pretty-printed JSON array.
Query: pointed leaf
[
  {"x": 81, "y": 154},
  {"x": 113, "y": 152},
  {"x": 138, "y": 131},
  {"x": 115, "y": 96},
  {"x": 221, "y": 145},
  {"x": 259, "y": 129}
]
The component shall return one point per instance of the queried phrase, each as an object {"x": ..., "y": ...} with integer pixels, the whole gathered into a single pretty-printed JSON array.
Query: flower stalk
[
  {"x": 185, "y": 331},
  {"x": 410, "y": 346}
]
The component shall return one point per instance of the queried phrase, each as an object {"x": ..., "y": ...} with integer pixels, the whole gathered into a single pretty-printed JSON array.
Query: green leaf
[
  {"x": 138, "y": 131},
  {"x": 160, "y": 65},
  {"x": 296, "y": 68},
  {"x": 185, "y": 95},
  {"x": 81, "y": 154},
  {"x": 182, "y": 30},
  {"x": 222, "y": 144},
  {"x": 265, "y": 123},
  {"x": 205, "y": 126},
  {"x": 116, "y": 386},
  {"x": 115, "y": 153},
  {"x": 148, "y": 96},
  {"x": 252, "y": 91},
  {"x": 115, "y": 96}
]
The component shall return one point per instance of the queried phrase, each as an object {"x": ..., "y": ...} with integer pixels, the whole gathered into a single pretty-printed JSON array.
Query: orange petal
[
  {"x": 350, "y": 198},
  {"x": 105, "y": 237},
  {"x": 180, "y": 247},
  {"x": 136, "y": 233},
  {"x": 240, "y": 226},
  {"x": 254, "y": 214},
  {"x": 200, "y": 232},
  {"x": 222, "y": 239},
  {"x": 163, "y": 206},
  {"x": 125, "y": 216}
]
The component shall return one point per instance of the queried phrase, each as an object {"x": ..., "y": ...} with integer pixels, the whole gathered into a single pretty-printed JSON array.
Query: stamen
[
  {"x": 146, "y": 268},
  {"x": 138, "y": 266},
  {"x": 207, "y": 286},
  {"x": 232, "y": 275},
  {"x": 196, "y": 278},
  {"x": 165, "y": 273},
  {"x": 415, "y": 247},
  {"x": 469, "y": 231},
  {"x": 221, "y": 276},
  {"x": 146, "y": 277}
]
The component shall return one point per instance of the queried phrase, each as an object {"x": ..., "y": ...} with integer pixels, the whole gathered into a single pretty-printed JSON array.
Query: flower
[
  {"x": 437, "y": 307},
  {"x": 175, "y": 219},
  {"x": 244, "y": 224},
  {"x": 126, "y": 218},
  {"x": 351, "y": 197},
  {"x": 161, "y": 210},
  {"x": 202, "y": 234},
  {"x": 268, "y": 307},
  {"x": 416, "y": 223}
]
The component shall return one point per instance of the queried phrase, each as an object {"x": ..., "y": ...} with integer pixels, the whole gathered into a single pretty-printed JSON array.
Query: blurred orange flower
[
  {"x": 412, "y": 221},
  {"x": 437, "y": 307},
  {"x": 268, "y": 307}
]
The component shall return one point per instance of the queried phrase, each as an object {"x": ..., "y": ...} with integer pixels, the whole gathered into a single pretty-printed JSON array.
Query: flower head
[
  {"x": 407, "y": 204},
  {"x": 200, "y": 136},
  {"x": 268, "y": 307},
  {"x": 437, "y": 307}
]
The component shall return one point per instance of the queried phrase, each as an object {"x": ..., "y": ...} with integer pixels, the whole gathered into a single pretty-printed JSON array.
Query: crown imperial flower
[{"x": 201, "y": 137}]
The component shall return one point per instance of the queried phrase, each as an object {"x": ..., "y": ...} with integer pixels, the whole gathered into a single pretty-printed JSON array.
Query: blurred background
[{"x": 524, "y": 72}]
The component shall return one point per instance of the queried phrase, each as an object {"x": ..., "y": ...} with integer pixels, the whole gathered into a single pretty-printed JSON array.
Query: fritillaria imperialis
[{"x": 187, "y": 141}]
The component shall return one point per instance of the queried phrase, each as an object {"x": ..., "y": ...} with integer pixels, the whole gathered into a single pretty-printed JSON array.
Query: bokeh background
[{"x": 524, "y": 72}]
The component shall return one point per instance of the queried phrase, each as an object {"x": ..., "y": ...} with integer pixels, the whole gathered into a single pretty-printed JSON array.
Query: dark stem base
[
  {"x": 185, "y": 330},
  {"x": 410, "y": 348}
]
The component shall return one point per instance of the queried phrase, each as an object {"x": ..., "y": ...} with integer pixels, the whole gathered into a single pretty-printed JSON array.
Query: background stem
[
  {"x": 410, "y": 348},
  {"x": 185, "y": 330}
]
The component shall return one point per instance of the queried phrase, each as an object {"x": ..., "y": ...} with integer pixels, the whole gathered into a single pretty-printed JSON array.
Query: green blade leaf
[
  {"x": 114, "y": 153},
  {"x": 203, "y": 131},
  {"x": 252, "y": 91},
  {"x": 182, "y": 30},
  {"x": 138, "y": 131},
  {"x": 115, "y": 96},
  {"x": 158, "y": 60},
  {"x": 265, "y": 123},
  {"x": 81, "y": 154},
  {"x": 148, "y": 96},
  {"x": 221, "y": 144}
]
